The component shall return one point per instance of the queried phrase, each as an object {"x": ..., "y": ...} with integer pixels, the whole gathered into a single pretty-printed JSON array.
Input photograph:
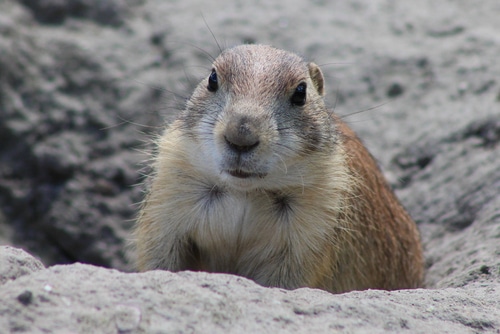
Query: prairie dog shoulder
[{"x": 258, "y": 178}]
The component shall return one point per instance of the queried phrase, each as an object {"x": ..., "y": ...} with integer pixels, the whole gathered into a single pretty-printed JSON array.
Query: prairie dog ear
[{"x": 317, "y": 78}]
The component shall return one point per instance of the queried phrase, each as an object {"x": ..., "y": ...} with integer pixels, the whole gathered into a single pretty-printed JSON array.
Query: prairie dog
[{"x": 258, "y": 178}]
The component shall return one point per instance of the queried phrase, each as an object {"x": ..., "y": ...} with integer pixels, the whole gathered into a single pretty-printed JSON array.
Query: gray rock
[
  {"x": 15, "y": 262},
  {"x": 83, "y": 299},
  {"x": 69, "y": 153}
]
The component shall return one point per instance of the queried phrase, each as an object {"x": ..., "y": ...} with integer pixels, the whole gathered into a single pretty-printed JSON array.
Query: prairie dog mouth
[{"x": 244, "y": 175}]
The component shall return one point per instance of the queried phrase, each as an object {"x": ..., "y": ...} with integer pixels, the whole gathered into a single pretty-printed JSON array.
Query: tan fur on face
[{"x": 315, "y": 209}]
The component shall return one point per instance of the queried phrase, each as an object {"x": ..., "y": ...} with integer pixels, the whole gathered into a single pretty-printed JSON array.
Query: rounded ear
[{"x": 317, "y": 78}]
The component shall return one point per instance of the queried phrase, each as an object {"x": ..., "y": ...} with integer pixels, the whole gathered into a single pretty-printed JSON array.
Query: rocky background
[{"x": 85, "y": 85}]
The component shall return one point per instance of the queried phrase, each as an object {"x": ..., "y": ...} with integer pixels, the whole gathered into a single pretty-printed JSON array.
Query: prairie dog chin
[{"x": 258, "y": 178}]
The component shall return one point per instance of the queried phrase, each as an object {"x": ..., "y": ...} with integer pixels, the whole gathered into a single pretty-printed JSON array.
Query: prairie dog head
[{"x": 257, "y": 119}]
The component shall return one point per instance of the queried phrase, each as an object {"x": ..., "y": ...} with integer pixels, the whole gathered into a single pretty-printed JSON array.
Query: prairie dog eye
[
  {"x": 299, "y": 96},
  {"x": 213, "y": 84}
]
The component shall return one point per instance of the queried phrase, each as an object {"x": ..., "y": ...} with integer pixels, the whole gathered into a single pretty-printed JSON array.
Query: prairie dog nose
[{"x": 241, "y": 134}]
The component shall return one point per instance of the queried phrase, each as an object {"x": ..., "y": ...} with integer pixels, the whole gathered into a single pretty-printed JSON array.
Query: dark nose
[{"x": 241, "y": 134}]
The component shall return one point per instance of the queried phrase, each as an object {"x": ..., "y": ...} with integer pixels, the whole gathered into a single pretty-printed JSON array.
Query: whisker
[
  {"x": 364, "y": 110},
  {"x": 283, "y": 161},
  {"x": 212, "y": 33}
]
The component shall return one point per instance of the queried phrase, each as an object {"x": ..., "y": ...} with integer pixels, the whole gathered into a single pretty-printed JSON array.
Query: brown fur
[{"x": 246, "y": 182}]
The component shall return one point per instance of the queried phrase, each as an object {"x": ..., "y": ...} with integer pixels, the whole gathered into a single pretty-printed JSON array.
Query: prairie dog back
[{"x": 258, "y": 178}]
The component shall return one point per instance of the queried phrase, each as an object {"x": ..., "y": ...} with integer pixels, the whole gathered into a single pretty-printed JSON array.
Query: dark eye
[
  {"x": 299, "y": 96},
  {"x": 213, "y": 85}
]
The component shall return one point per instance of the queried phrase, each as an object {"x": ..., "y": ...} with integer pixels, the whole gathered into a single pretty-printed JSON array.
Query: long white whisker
[{"x": 283, "y": 161}]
